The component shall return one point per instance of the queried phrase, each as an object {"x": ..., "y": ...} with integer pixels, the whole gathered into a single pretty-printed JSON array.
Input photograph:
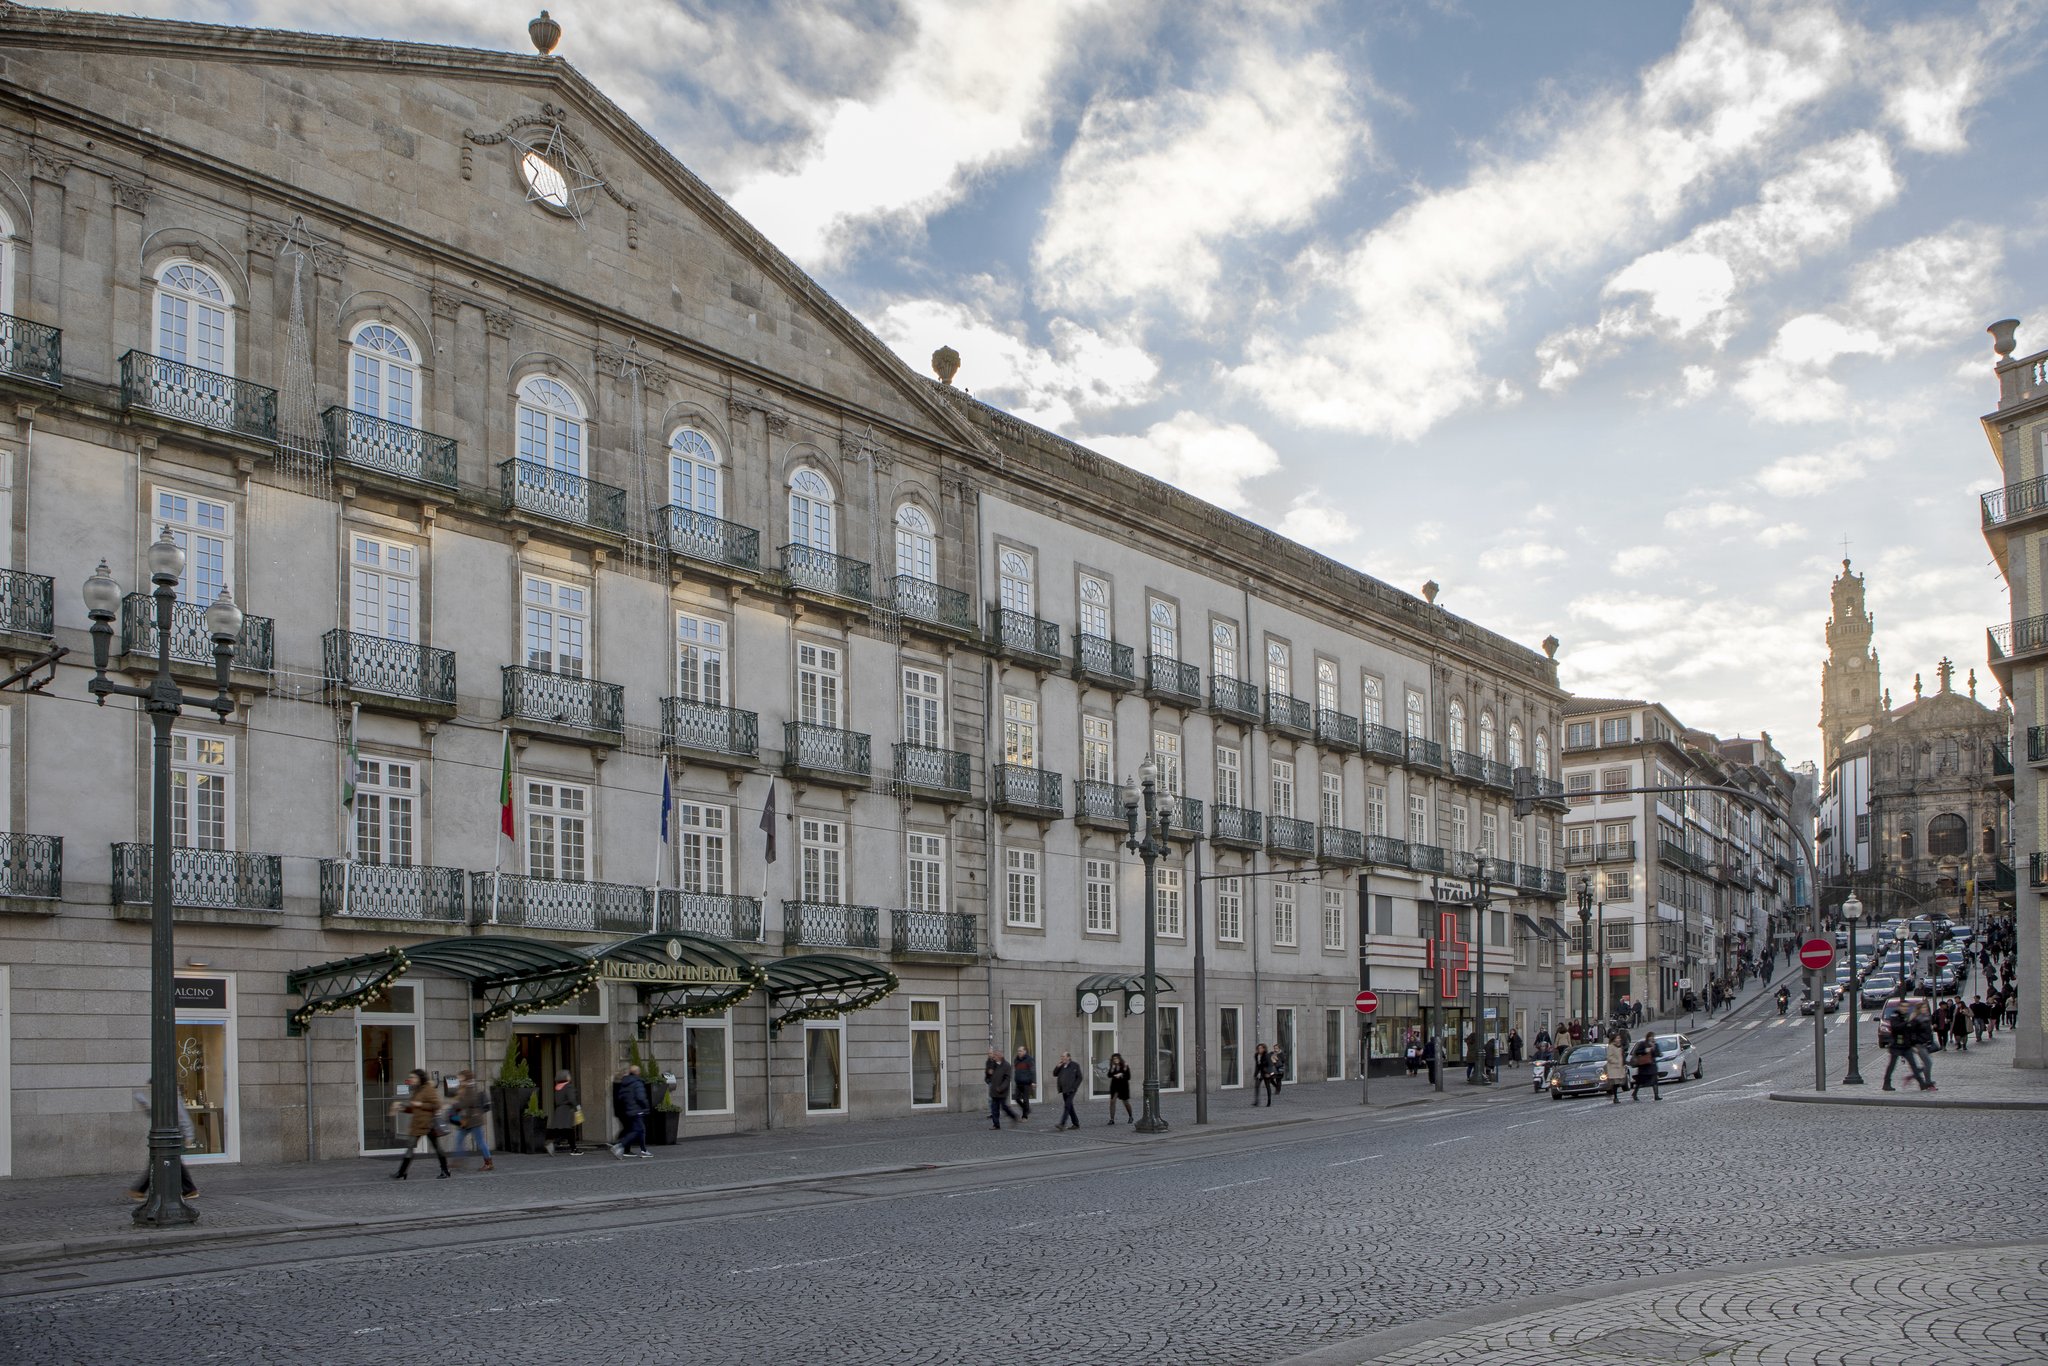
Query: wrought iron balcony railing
[
  {"x": 712, "y": 915},
  {"x": 1286, "y": 835},
  {"x": 1467, "y": 765},
  {"x": 1426, "y": 858},
  {"x": 709, "y": 729},
  {"x": 1615, "y": 851},
  {"x": 1031, "y": 791},
  {"x": 946, "y": 771},
  {"x": 190, "y": 643},
  {"x": 1099, "y": 804},
  {"x": 1234, "y": 697},
  {"x": 712, "y": 540},
  {"x": 825, "y": 749},
  {"x": 1382, "y": 741},
  {"x": 2029, "y": 497},
  {"x": 562, "y": 700},
  {"x": 209, "y": 878},
  {"x": 831, "y": 924},
  {"x": 559, "y": 496},
  {"x": 28, "y": 604},
  {"x": 389, "y": 668},
  {"x": 1173, "y": 681},
  {"x": 1494, "y": 773},
  {"x": 374, "y": 443},
  {"x": 31, "y": 866},
  {"x": 1499, "y": 871},
  {"x": 1384, "y": 851},
  {"x": 821, "y": 571},
  {"x": 383, "y": 891},
  {"x": 1467, "y": 865},
  {"x": 1023, "y": 636},
  {"x": 1553, "y": 882},
  {"x": 924, "y": 600},
  {"x": 2001, "y": 759},
  {"x": 1335, "y": 729},
  {"x": 1183, "y": 814},
  {"x": 1425, "y": 753},
  {"x": 1574, "y": 855},
  {"x": 205, "y": 398},
  {"x": 2037, "y": 744},
  {"x": 541, "y": 903},
  {"x": 31, "y": 350},
  {"x": 947, "y": 932},
  {"x": 1529, "y": 876},
  {"x": 1335, "y": 844},
  {"x": 1550, "y": 792},
  {"x": 1290, "y": 714},
  {"x": 1237, "y": 826},
  {"x": 1103, "y": 660}
]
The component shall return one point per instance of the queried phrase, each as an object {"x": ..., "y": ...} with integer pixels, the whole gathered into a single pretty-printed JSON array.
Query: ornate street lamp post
[
  {"x": 1148, "y": 842},
  {"x": 163, "y": 699},
  {"x": 1585, "y": 945},
  {"x": 1852, "y": 911}
]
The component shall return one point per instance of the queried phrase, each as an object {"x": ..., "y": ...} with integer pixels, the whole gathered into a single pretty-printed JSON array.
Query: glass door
[
  {"x": 1101, "y": 1043},
  {"x": 1333, "y": 1045},
  {"x": 1283, "y": 1039},
  {"x": 1024, "y": 1033},
  {"x": 1228, "y": 1068},
  {"x": 927, "y": 1054},
  {"x": 1169, "y": 1048},
  {"x": 824, "y": 1067},
  {"x": 387, "y": 1049}
]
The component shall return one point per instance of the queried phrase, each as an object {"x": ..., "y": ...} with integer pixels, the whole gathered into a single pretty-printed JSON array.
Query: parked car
[
  {"x": 1877, "y": 990},
  {"x": 1886, "y": 1017},
  {"x": 1947, "y": 982},
  {"x": 1677, "y": 1059},
  {"x": 1583, "y": 1072}
]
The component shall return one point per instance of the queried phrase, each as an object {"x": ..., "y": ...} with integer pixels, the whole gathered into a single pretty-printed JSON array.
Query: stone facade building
[{"x": 811, "y": 681}]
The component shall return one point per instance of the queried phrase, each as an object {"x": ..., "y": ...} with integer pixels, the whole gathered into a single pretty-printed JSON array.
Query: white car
[{"x": 1677, "y": 1059}]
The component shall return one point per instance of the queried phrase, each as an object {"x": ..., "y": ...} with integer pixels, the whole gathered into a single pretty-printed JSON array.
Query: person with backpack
[
  {"x": 631, "y": 1104},
  {"x": 1644, "y": 1059}
]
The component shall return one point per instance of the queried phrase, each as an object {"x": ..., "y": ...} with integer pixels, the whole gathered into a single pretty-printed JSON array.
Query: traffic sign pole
[{"x": 1367, "y": 1002}]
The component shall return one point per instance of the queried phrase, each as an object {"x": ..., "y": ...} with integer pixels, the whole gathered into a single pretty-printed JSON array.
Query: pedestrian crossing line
[
  {"x": 1349, "y": 1160},
  {"x": 1233, "y": 1185},
  {"x": 1752, "y": 1024}
]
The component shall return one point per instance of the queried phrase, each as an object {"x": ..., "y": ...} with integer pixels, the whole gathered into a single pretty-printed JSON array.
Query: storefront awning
[
  {"x": 1557, "y": 928},
  {"x": 1529, "y": 924},
  {"x": 823, "y": 986},
  {"x": 678, "y": 975},
  {"x": 1102, "y": 983}
]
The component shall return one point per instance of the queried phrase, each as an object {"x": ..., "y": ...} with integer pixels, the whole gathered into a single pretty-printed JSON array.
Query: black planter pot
[
  {"x": 533, "y": 1133},
  {"x": 508, "y": 1107},
  {"x": 662, "y": 1125}
]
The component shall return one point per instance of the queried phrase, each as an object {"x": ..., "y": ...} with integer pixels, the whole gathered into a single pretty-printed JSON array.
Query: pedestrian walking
[
  {"x": 1276, "y": 1067},
  {"x": 1120, "y": 1085},
  {"x": 1645, "y": 1060},
  {"x": 1471, "y": 1054},
  {"x": 472, "y": 1115},
  {"x": 565, "y": 1116},
  {"x": 422, "y": 1106},
  {"x": 1489, "y": 1056},
  {"x": 996, "y": 1072},
  {"x": 1616, "y": 1068},
  {"x": 1636, "y": 1013},
  {"x": 1412, "y": 1054},
  {"x": 1429, "y": 1057},
  {"x": 140, "y": 1190},
  {"x": 1901, "y": 1048},
  {"x": 1262, "y": 1076},
  {"x": 1024, "y": 1078},
  {"x": 1980, "y": 1016},
  {"x": 1959, "y": 1028},
  {"x": 1066, "y": 1079},
  {"x": 2012, "y": 1004},
  {"x": 631, "y": 1103},
  {"x": 1514, "y": 1048}
]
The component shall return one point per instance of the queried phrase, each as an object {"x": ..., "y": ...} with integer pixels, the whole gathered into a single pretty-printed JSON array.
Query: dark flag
[{"x": 768, "y": 820}]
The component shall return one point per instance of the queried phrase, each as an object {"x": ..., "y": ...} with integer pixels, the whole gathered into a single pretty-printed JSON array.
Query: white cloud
[
  {"x": 1210, "y": 459},
  {"x": 1779, "y": 534},
  {"x": 1699, "y": 381},
  {"x": 1315, "y": 521},
  {"x": 1711, "y": 516},
  {"x": 1523, "y": 556},
  {"x": 1938, "y": 70},
  {"x": 1811, "y": 472},
  {"x": 1153, "y": 189},
  {"x": 1640, "y": 559},
  {"x": 1081, "y": 370}
]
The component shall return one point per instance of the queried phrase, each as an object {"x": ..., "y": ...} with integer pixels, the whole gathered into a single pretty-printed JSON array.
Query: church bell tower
[{"x": 1850, "y": 693}]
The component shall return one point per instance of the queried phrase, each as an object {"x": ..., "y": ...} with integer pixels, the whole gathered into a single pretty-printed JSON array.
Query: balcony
[
  {"x": 2001, "y": 764},
  {"x": 1335, "y": 730},
  {"x": 1529, "y": 877},
  {"x": 560, "y": 703},
  {"x": 1335, "y": 844},
  {"x": 1100, "y": 805},
  {"x": 1098, "y": 659},
  {"x": 31, "y": 866},
  {"x": 937, "y": 934},
  {"x": 1288, "y": 836},
  {"x": 715, "y": 916},
  {"x": 382, "y": 891},
  {"x": 1169, "y": 680},
  {"x": 1426, "y": 858},
  {"x": 2012, "y": 506},
  {"x": 1549, "y": 792},
  {"x": 825, "y": 753},
  {"x": 190, "y": 643},
  {"x": 1499, "y": 871},
  {"x": 945, "y": 773},
  {"x": 204, "y": 398},
  {"x": 1290, "y": 715},
  {"x": 1026, "y": 791},
  {"x": 710, "y": 540},
  {"x": 1553, "y": 882},
  {"x": 538, "y": 903},
  {"x": 398, "y": 670},
  {"x": 31, "y": 350},
  {"x": 922, "y": 600},
  {"x": 829, "y": 924},
  {"x": 2006, "y": 643},
  {"x": 2037, "y": 744},
  {"x": 1494, "y": 773},
  {"x": 1183, "y": 815},
  {"x": 1025, "y": 638},
  {"x": 1425, "y": 753},
  {"x": 1237, "y": 827},
  {"x": 1384, "y": 851},
  {"x": 1616, "y": 851},
  {"x": 1577, "y": 855},
  {"x": 28, "y": 604},
  {"x": 705, "y": 730},
  {"x": 1678, "y": 856},
  {"x": 1467, "y": 766},
  {"x": 203, "y": 878},
  {"x": 810, "y": 570},
  {"x": 531, "y": 487},
  {"x": 362, "y": 441},
  {"x": 1234, "y": 697},
  {"x": 1383, "y": 742}
]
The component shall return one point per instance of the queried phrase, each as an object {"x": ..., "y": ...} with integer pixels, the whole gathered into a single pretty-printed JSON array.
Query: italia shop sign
[{"x": 1453, "y": 891}]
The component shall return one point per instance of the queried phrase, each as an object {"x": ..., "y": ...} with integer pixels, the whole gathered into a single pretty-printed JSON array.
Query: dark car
[
  {"x": 1893, "y": 1009},
  {"x": 1583, "y": 1072}
]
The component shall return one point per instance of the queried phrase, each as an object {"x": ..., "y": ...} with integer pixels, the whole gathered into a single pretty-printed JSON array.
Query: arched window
[
  {"x": 1279, "y": 670},
  {"x": 1542, "y": 754},
  {"x": 1514, "y": 744},
  {"x": 1905, "y": 846},
  {"x": 1164, "y": 628},
  {"x": 693, "y": 472},
  {"x": 550, "y": 426},
  {"x": 914, "y": 557},
  {"x": 1947, "y": 834},
  {"x": 1486, "y": 736},
  {"x": 813, "y": 518},
  {"x": 194, "y": 318},
  {"x": 383, "y": 374},
  {"x": 1455, "y": 735},
  {"x": 1373, "y": 709}
]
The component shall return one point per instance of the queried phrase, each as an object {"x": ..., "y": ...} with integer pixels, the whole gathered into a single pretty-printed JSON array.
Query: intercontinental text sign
[{"x": 614, "y": 971}]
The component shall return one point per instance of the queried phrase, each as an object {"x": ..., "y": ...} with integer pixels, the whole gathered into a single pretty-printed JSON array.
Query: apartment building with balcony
[{"x": 816, "y": 680}]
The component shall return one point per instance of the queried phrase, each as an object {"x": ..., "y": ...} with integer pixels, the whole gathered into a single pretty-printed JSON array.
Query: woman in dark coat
[
  {"x": 422, "y": 1107},
  {"x": 563, "y": 1105},
  {"x": 1119, "y": 1086},
  {"x": 1023, "y": 1079}
]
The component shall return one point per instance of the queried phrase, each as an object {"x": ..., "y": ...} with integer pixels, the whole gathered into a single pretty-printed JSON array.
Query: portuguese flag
[{"x": 505, "y": 790}]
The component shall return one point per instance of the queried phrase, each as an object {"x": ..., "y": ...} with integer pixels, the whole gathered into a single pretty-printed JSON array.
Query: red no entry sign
[
  {"x": 1941, "y": 960},
  {"x": 1816, "y": 954},
  {"x": 1367, "y": 1002}
]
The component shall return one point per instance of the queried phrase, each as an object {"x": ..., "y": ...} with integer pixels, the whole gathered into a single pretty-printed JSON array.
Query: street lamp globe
[
  {"x": 166, "y": 558},
  {"x": 102, "y": 594},
  {"x": 1852, "y": 909},
  {"x": 1130, "y": 796},
  {"x": 1148, "y": 772},
  {"x": 223, "y": 618}
]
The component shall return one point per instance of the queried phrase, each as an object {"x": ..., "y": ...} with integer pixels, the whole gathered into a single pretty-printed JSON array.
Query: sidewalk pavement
[
  {"x": 1981, "y": 1078},
  {"x": 85, "y": 1215}
]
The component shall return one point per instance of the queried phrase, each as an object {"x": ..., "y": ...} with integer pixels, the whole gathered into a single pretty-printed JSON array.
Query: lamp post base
[
  {"x": 1151, "y": 1122},
  {"x": 163, "y": 1204}
]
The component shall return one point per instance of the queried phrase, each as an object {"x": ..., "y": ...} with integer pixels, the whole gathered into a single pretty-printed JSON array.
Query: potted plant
[
  {"x": 666, "y": 1114},
  {"x": 533, "y": 1125},
  {"x": 510, "y": 1094}
]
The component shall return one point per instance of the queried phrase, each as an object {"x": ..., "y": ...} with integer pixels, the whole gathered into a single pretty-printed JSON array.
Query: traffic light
[{"x": 1525, "y": 792}]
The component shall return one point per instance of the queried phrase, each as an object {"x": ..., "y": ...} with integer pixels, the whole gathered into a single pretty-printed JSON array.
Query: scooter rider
[{"x": 1784, "y": 998}]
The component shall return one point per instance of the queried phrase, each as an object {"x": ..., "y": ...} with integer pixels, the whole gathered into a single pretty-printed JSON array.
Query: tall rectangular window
[
  {"x": 700, "y": 660},
  {"x": 1166, "y": 754},
  {"x": 1279, "y": 670},
  {"x": 1333, "y": 799},
  {"x": 1382, "y": 914},
  {"x": 1326, "y": 684},
  {"x": 703, "y": 852},
  {"x": 818, "y": 701},
  {"x": 1172, "y": 923},
  {"x": 1016, "y": 581},
  {"x": 1162, "y": 620},
  {"x": 927, "y": 1052},
  {"x": 1616, "y": 885},
  {"x": 1372, "y": 704},
  {"x": 386, "y": 791},
  {"x": 1020, "y": 731},
  {"x": 1375, "y": 809},
  {"x": 924, "y": 877},
  {"x": 1283, "y": 787},
  {"x": 924, "y": 709},
  {"x": 1333, "y": 1044},
  {"x": 1460, "y": 835},
  {"x": 204, "y": 528},
  {"x": 1333, "y": 918},
  {"x": 1098, "y": 885},
  {"x": 1223, "y": 650},
  {"x": 1285, "y": 931},
  {"x": 557, "y": 626},
  {"x": 1230, "y": 910},
  {"x": 1489, "y": 834},
  {"x": 1094, "y": 607},
  {"x": 1229, "y": 776},
  {"x": 1098, "y": 749},
  {"x": 821, "y": 860},
  {"x": 201, "y": 782},
  {"x": 1418, "y": 819},
  {"x": 384, "y": 583},
  {"x": 1020, "y": 869},
  {"x": 557, "y": 831},
  {"x": 1614, "y": 730},
  {"x": 1418, "y": 721}
]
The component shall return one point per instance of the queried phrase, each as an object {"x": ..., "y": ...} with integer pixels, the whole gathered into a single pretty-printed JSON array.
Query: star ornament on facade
[{"x": 554, "y": 173}]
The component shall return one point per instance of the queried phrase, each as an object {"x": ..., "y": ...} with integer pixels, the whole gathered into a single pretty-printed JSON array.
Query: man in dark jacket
[
  {"x": 1024, "y": 1079},
  {"x": 1067, "y": 1078},
  {"x": 629, "y": 1099},
  {"x": 996, "y": 1072}
]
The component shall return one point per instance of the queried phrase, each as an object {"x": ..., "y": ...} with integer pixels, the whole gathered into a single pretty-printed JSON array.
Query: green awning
[
  {"x": 821, "y": 986},
  {"x": 678, "y": 975},
  {"x": 1102, "y": 983}
]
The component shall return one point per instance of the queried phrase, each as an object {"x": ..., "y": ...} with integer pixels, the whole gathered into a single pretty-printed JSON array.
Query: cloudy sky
[{"x": 1613, "y": 318}]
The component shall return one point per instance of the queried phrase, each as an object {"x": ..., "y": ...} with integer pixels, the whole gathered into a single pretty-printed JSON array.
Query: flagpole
[
  {"x": 498, "y": 844},
  {"x": 348, "y": 785}
]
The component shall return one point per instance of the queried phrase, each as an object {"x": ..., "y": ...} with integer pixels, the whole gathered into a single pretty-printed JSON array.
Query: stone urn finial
[
  {"x": 1550, "y": 644},
  {"x": 2001, "y": 336},
  {"x": 545, "y": 33},
  {"x": 945, "y": 364},
  {"x": 1430, "y": 589}
]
